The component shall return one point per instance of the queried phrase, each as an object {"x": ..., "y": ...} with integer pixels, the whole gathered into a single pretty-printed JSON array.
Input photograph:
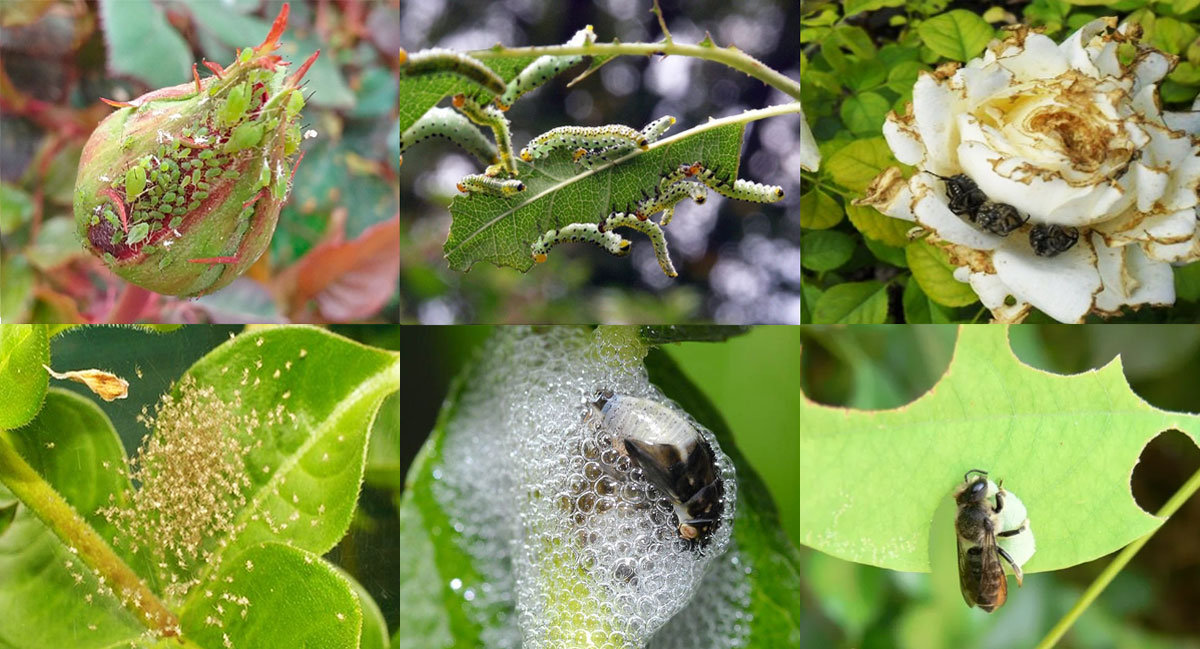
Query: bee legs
[{"x": 1015, "y": 568}]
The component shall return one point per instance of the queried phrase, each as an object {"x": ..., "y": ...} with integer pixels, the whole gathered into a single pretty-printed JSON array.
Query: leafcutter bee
[
  {"x": 1048, "y": 239},
  {"x": 978, "y": 525},
  {"x": 672, "y": 456}
]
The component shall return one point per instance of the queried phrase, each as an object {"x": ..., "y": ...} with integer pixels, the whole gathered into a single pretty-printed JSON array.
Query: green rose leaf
[
  {"x": 959, "y": 35},
  {"x": 24, "y": 349},
  {"x": 825, "y": 250},
  {"x": 852, "y": 303},
  {"x": 932, "y": 269}
]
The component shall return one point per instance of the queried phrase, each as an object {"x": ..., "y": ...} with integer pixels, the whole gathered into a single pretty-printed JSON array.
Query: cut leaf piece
[{"x": 1056, "y": 440}]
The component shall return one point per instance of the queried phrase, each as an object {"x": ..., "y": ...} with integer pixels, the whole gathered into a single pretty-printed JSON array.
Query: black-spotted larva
[
  {"x": 448, "y": 123},
  {"x": 654, "y": 130},
  {"x": 648, "y": 228},
  {"x": 577, "y": 232},
  {"x": 742, "y": 190},
  {"x": 491, "y": 117},
  {"x": 542, "y": 70},
  {"x": 442, "y": 61},
  {"x": 586, "y": 137},
  {"x": 489, "y": 185}
]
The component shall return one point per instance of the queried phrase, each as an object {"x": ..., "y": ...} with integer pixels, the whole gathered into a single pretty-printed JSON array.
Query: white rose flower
[{"x": 1076, "y": 142}]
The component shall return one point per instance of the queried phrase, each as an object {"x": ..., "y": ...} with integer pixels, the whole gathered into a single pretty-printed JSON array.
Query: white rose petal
[
  {"x": 810, "y": 157},
  {"x": 1070, "y": 137}
]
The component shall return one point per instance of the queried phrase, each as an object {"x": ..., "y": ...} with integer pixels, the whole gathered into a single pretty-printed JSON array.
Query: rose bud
[{"x": 179, "y": 191}]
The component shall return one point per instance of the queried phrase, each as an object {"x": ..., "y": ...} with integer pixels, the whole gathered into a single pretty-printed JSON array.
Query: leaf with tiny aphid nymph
[{"x": 1056, "y": 440}]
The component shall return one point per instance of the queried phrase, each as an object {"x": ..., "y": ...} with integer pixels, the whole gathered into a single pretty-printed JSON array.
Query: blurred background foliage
[
  {"x": 1152, "y": 603},
  {"x": 335, "y": 253},
  {"x": 152, "y": 362},
  {"x": 859, "y": 60},
  {"x": 753, "y": 380},
  {"x": 738, "y": 262}
]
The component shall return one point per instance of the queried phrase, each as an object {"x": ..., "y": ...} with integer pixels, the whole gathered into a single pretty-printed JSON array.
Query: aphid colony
[
  {"x": 1001, "y": 219},
  {"x": 686, "y": 181}
]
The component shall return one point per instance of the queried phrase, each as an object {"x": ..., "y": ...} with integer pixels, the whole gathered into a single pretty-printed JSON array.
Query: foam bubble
[{"x": 573, "y": 544}]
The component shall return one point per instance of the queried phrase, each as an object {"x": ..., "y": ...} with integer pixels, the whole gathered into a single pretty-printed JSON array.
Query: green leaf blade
[
  {"x": 959, "y": 35},
  {"x": 1053, "y": 439},
  {"x": 24, "y": 349}
]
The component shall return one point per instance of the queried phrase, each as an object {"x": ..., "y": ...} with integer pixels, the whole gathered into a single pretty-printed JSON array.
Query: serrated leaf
[
  {"x": 851, "y": 7},
  {"x": 855, "y": 165},
  {"x": 141, "y": 43},
  {"x": 1053, "y": 439},
  {"x": 825, "y": 250},
  {"x": 864, "y": 112},
  {"x": 959, "y": 35},
  {"x": 852, "y": 303},
  {"x": 919, "y": 309},
  {"x": 24, "y": 349},
  {"x": 931, "y": 267},
  {"x": 875, "y": 225},
  {"x": 500, "y": 230},
  {"x": 819, "y": 210}
]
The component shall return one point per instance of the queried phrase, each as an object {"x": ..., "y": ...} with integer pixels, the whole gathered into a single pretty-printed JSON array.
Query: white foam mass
[{"x": 574, "y": 546}]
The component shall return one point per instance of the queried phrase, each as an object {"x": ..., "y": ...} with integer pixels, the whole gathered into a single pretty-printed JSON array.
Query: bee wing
[
  {"x": 968, "y": 583},
  {"x": 991, "y": 573}
]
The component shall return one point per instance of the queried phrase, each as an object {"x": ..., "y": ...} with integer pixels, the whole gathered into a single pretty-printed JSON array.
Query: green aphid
[
  {"x": 192, "y": 206},
  {"x": 244, "y": 136},
  {"x": 166, "y": 166},
  {"x": 117, "y": 237},
  {"x": 135, "y": 182},
  {"x": 157, "y": 216},
  {"x": 279, "y": 187},
  {"x": 176, "y": 222},
  {"x": 162, "y": 263},
  {"x": 201, "y": 195},
  {"x": 229, "y": 174},
  {"x": 206, "y": 154},
  {"x": 154, "y": 176},
  {"x": 169, "y": 197},
  {"x": 179, "y": 211},
  {"x": 294, "y": 104},
  {"x": 94, "y": 220},
  {"x": 137, "y": 233},
  {"x": 264, "y": 176},
  {"x": 203, "y": 185},
  {"x": 111, "y": 217},
  {"x": 196, "y": 177},
  {"x": 214, "y": 162},
  {"x": 211, "y": 174},
  {"x": 180, "y": 199}
]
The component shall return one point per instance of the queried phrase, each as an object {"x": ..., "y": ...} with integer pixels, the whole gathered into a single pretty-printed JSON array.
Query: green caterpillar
[
  {"x": 576, "y": 232},
  {"x": 491, "y": 117},
  {"x": 652, "y": 131},
  {"x": 489, "y": 185},
  {"x": 587, "y": 137},
  {"x": 666, "y": 200},
  {"x": 448, "y": 123},
  {"x": 648, "y": 228},
  {"x": 542, "y": 70},
  {"x": 441, "y": 61}
]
